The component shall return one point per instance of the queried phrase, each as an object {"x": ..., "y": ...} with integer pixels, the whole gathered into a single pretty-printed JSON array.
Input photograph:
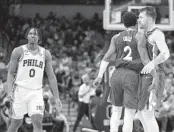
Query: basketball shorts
[
  {"x": 27, "y": 101},
  {"x": 143, "y": 93},
  {"x": 124, "y": 88}
]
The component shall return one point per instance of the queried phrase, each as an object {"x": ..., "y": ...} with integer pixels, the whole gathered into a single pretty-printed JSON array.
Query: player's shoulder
[
  {"x": 42, "y": 48},
  {"x": 157, "y": 33},
  {"x": 47, "y": 52},
  {"x": 19, "y": 48},
  {"x": 18, "y": 51},
  {"x": 115, "y": 37}
]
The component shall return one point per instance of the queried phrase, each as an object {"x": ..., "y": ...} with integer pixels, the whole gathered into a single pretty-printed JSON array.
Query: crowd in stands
[{"x": 76, "y": 44}]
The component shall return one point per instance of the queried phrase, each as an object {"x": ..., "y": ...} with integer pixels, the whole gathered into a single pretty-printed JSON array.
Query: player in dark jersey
[
  {"x": 158, "y": 53},
  {"x": 125, "y": 79}
]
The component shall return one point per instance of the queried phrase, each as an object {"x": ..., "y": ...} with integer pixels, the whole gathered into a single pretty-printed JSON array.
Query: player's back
[
  {"x": 30, "y": 68},
  {"x": 128, "y": 65},
  {"x": 127, "y": 54}
]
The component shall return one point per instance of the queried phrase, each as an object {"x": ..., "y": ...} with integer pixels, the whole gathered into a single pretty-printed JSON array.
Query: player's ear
[
  {"x": 39, "y": 42},
  {"x": 150, "y": 20}
]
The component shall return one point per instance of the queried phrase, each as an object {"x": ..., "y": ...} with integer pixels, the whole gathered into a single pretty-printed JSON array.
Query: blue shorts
[
  {"x": 124, "y": 88},
  {"x": 143, "y": 93}
]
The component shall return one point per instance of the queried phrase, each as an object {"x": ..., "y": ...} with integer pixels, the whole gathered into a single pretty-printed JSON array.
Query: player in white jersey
[
  {"x": 25, "y": 76},
  {"x": 158, "y": 53}
]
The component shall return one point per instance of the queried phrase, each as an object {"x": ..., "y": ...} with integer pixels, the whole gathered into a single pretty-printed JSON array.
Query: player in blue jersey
[{"x": 125, "y": 79}]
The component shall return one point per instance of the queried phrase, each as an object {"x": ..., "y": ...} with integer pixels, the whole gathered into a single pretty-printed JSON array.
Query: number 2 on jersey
[
  {"x": 128, "y": 57},
  {"x": 32, "y": 73}
]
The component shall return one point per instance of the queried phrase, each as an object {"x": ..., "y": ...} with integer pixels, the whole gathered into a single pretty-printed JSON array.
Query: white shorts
[{"x": 27, "y": 101}]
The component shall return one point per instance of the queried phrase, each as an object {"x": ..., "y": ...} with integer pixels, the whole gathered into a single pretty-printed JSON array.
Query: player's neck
[
  {"x": 32, "y": 46},
  {"x": 131, "y": 28},
  {"x": 151, "y": 27}
]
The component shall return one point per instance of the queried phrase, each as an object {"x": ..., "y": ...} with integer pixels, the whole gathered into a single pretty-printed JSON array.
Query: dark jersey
[
  {"x": 153, "y": 50},
  {"x": 127, "y": 54}
]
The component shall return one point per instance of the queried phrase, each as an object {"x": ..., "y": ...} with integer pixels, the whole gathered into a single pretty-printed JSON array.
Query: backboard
[{"x": 112, "y": 14}]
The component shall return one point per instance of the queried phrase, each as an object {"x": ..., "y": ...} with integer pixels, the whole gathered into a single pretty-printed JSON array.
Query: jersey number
[
  {"x": 128, "y": 57},
  {"x": 32, "y": 73}
]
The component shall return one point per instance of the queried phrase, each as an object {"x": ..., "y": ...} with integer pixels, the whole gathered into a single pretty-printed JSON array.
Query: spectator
[
  {"x": 95, "y": 101},
  {"x": 2, "y": 64},
  {"x": 60, "y": 123},
  {"x": 166, "y": 110},
  {"x": 76, "y": 82},
  {"x": 3, "y": 116},
  {"x": 26, "y": 124},
  {"x": 84, "y": 94}
]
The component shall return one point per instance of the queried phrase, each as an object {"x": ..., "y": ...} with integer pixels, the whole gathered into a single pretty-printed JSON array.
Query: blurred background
[{"x": 75, "y": 33}]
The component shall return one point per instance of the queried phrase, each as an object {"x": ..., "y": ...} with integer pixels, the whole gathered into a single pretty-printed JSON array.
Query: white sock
[
  {"x": 140, "y": 117},
  {"x": 128, "y": 120},
  {"x": 150, "y": 121},
  {"x": 115, "y": 118}
]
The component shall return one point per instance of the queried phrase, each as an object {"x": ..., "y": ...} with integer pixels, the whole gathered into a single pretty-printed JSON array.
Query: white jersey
[{"x": 30, "y": 69}]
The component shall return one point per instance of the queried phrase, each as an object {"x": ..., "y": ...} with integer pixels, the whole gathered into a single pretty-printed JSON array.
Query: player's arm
[
  {"x": 107, "y": 57},
  {"x": 12, "y": 67},
  {"x": 66, "y": 123},
  {"x": 159, "y": 39},
  {"x": 50, "y": 73},
  {"x": 142, "y": 49}
]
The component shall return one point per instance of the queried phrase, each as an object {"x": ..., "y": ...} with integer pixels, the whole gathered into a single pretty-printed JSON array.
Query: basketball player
[
  {"x": 158, "y": 53},
  {"x": 125, "y": 79},
  {"x": 25, "y": 76}
]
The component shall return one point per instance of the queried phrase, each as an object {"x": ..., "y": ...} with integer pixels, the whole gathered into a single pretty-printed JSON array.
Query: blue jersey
[{"x": 127, "y": 54}]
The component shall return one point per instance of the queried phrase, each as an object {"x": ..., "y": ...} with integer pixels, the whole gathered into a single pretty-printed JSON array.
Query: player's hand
[
  {"x": 10, "y": 97},
  {"x": 97, "y": 82},
  {"x": 58, "y": 105},
  {"x": 153, "y": 86},
  {"x": 152, "y": 99},
  {"x": 155, "y": 81},
  {"x": 148, "y": 68}
]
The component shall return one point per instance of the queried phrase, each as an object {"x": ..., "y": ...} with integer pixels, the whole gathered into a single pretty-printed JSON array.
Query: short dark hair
[
  {"x": 129, "y": 19},
  {"x": 150, "y": 11},
  {"x": 38, "y": 31}
]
